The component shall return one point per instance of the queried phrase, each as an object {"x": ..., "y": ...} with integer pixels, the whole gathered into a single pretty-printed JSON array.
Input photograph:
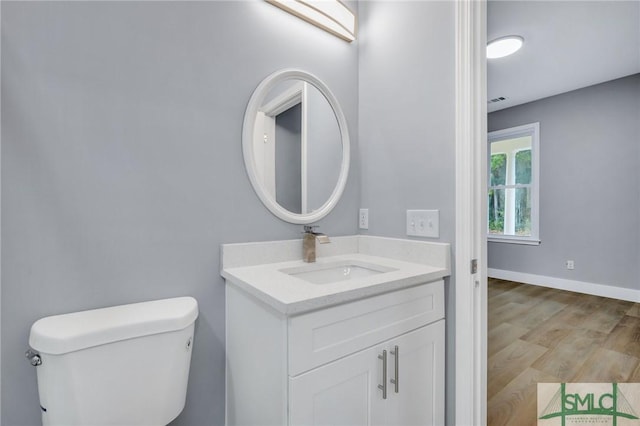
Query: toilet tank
[{"x": 123, "y": 365}]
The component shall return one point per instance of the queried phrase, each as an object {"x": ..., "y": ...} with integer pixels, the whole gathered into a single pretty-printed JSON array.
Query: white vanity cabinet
[
  {"x": 327, "y": 367},
  {"x": 345, "y": 392}
]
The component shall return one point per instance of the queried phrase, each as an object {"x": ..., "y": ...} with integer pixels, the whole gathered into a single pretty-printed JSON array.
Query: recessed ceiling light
[{"x": 504, "y": 46}]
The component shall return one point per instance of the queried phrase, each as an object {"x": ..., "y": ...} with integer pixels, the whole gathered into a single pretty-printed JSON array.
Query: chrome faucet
[{"x": 309, "y": 243}]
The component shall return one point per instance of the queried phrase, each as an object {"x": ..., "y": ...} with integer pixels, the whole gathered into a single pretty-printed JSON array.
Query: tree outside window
[{"x": 513, "y": 193}]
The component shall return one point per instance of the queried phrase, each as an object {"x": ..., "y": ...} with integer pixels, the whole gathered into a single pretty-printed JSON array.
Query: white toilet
[{"x": 122, "y": 366}]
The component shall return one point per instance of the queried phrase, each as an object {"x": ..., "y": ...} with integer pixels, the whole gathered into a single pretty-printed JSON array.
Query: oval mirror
[{"x": 296, "y": 146}]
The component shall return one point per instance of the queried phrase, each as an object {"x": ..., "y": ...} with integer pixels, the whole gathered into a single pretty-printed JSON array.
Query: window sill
[{"x": 515, "y": 240}]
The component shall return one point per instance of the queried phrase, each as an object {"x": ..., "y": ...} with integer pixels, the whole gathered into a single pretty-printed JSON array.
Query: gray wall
[
  {"x": 407, "y": 124},
  {"x": 122, "y": 169},
  {"x": 288, "y": 152},
  {"x": 589, "y": 185},
  {"x": 324, "y": 149}
]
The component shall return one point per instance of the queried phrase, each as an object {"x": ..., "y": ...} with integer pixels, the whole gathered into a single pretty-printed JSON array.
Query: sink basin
[{"x": 326, "y": 273}]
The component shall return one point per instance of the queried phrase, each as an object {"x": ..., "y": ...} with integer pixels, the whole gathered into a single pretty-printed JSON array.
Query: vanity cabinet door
[
  {"x": 344, "y": 392},
  {"x": 421, "y": 390}
]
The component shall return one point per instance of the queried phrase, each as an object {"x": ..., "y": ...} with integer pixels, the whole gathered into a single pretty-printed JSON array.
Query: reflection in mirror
[
  {"x": 324, "y": 150},
  {"x": 296, "y": 146},
  {"x": 288, "y": 159}
]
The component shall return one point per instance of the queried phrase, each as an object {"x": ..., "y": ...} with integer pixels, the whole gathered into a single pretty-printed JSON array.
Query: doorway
[{"x": 578, "y": 112}]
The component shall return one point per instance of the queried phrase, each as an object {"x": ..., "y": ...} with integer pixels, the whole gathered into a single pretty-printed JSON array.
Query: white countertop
[{"x": 289, "y": 294}]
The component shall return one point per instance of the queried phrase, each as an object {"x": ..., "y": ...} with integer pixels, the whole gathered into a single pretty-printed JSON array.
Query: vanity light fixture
[
  {"x": 330, "y": 15},
  {"x": 504, "y": 46}
]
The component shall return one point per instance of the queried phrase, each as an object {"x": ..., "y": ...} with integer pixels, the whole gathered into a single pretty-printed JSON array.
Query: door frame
[
  {"x": 264, "y": 141},
  {"x": 471, "y": 214}
]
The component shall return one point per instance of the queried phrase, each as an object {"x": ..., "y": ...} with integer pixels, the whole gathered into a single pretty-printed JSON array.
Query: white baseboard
[{"x": 613, "y": 292}]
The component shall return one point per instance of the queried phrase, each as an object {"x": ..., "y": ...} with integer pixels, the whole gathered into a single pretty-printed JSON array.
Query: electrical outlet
[
  {"x": 363, "y": 219},
  {"x": 570, "y": 265},
  {"x": 423, "y": 223}
]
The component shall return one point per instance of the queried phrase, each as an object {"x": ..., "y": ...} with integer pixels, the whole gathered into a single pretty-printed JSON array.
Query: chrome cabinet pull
[
  {"x": 383, "y": 386},
  {"x": 396, "y": 354}
]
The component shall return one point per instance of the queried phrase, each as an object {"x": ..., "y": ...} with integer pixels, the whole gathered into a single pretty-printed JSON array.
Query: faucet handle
[{"x": 308, "y": 229}]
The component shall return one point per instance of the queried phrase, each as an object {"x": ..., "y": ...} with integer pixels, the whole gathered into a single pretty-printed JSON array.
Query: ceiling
[{"x": 567, "y": 45}]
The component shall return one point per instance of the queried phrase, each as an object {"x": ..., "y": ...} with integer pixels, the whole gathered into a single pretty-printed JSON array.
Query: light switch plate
[
  {"x": 423, "y": 223},
  {"x": 363, "y": 219}
]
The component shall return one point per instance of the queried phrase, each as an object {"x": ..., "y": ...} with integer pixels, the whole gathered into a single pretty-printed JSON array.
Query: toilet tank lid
[{"x": 65, "y": 333}]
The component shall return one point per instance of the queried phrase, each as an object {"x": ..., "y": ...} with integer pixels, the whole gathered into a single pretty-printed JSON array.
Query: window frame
[{"x": 532, "y": 130}]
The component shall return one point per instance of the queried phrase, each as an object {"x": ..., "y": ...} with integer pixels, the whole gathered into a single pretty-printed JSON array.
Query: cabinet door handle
[
  {"x": 383, "y": 386},
  {"x": 396, "y": 354}
]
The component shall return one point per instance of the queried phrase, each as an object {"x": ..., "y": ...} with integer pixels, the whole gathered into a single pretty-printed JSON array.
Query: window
[{"x": 513, "y": 185}]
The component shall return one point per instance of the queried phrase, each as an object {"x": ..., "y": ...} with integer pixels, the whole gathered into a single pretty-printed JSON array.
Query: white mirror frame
[{"x": 248, "y": 129}]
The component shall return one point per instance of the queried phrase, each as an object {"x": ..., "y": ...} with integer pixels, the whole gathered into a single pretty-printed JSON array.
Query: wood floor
[{"x": 537, "y": 334}]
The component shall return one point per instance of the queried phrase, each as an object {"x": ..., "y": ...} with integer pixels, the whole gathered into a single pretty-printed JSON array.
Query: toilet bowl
[{"x": 124, "y": 365}]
